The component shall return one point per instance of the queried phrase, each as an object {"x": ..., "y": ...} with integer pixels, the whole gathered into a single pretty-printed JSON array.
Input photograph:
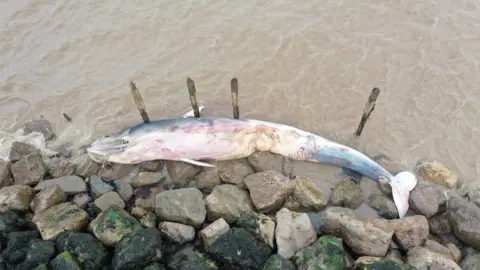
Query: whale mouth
[{"x": 106, "y": 146}]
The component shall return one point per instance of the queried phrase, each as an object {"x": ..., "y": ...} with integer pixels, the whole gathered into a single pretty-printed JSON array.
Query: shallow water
[{"x": 310, "y": 64}]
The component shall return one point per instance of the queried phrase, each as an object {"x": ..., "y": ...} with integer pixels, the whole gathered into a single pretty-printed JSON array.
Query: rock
[
  {"x": 146, "y": 197},
  {"x": 384, "y": 205},
  {"x": 17, "y": 245},
  {"x": 471, "y": 261},
  {"x": 208, "y": 180},
  {"x": 365, "y": 238},
  {"x": 437, "y": 172},
  {"x": 65, "y": 150},
  {"x": 139, "y": 212},
  {"x": 149, "y": 220},
  {"x": 47, "y": 198},
  {"x": 6, "y": 178},
  {"x": 29, "y": 170},
  {"x": 440, "y": 224},
  {"x": 70, "y": 184},
  {"x": 428, "y": 199},
  {"x": 372, "y": 263},
  {"x": 177, "y": 232},
  {"x": 277, "y": 262},
  {"x": 260, "y": 225},
  {"x": 268, "y": 190},
  {"x": 410, "y": 231},
  {"x": 326, "y": 253},
  {"x": 189, "y": 258},
  {"x": 347, "y": 194},
  {"x": 227, "y": 201},
  {"x": 317, "y": 220},
  {"x": 21, "y": 149},
  {"x": 85, "y": 167},
  {"x": 60, "y": 166},
  {"x": 185, "y": 205},
  {"x": 455, "y": 252},
  {"x": 154, "y": 266},
  {"x": 38, "y": 252},
  {"x": 424, "y": 259},
  {"x": 81, "y": 200},
  {"x": 152, "y": 166},
  {"x": 394, "y": 255},
  {"x": 124, "y": 189},
  {"x": 234, "y": 171},
  {"x": 65, "y": 261},
  {"x": 43, "y": 126},
  {"x": 138, "y": 250},
  {"x": 145, "y": 179},
  {"x": 464, "y": 217},
  {"x": 65, "y": 216},
  {"x": 471, "y": 191},
  {"x": 239, "y": 249},
  {"x": 267, "y": 161},
  {"x": 90, "y": 252},
  {"x": 98, "y": 187},
  {"x": 11, "y": 221},
  {"x": 438, "y": 248},
  {"x": 181, "y": 172},
  {"x": 16, "y": 197},
  {"x": 308, "y": 195},
  {"x": 294, "y": 231},
  {"x": 113, "y": 224},
  {"x": 213, "y": 231},
  {"x": 108, "y": 199},
  {"x": 116, "y": 171}
]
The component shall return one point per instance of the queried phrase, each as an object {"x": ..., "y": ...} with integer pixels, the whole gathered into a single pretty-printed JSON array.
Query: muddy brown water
[{"x": 310, "y": 64}]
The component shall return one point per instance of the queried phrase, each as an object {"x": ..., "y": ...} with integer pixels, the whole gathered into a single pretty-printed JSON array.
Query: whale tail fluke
[{"x": 402, "y": 184}]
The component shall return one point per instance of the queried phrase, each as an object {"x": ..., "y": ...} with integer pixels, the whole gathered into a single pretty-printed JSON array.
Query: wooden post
[
  {"x": 137, "y": 97},
  {"x": 193, "y": 97},
  {"x": 369, "y": 107},
  {"x": 234, "y": 89}
]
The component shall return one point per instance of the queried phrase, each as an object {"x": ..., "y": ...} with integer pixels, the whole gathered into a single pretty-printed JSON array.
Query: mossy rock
[
  {"x": 65, "y": 261},
  {"x": 277, "y": 262},
  {"x": 381, "y": 263},
  {"x": 327, "y": 253}
]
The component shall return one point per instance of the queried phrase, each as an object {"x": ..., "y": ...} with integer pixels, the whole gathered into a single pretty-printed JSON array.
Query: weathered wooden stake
[
  {"x": 192, "y": 92},
  {"x": 234, "y": 89},
  {"x": 369, "y": 107},
  {"x": 137, "y": 97}
]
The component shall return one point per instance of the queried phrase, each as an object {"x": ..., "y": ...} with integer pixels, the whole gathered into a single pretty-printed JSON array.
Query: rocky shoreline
[{"x": 64, "y": 212}]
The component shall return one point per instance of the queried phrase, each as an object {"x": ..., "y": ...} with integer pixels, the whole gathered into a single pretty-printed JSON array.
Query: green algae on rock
[
  {"x": 111, "y": 225},
  {"x": 277, "y": 262},
  {"x": 90, "y": 252},
  {"x": 347, "y": 194},
  {"x": 327, "y": 253},
  {"x": 138, "y": 249},
  {"x": 189, "y": 258},
  {"x": 373, "y": 263},
  {"x": 260, "y": 225},
  {"x": 65, "y": 261}
]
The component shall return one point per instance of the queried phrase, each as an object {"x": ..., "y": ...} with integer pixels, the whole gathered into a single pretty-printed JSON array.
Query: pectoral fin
[{"x": 195, "y": 162}]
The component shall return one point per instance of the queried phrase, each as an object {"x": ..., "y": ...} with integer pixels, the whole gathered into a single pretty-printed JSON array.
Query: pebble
[
  {"x": 234, "y": 171},
  {"x": 70, "y": 184},
  {"x": 112, "y": 224},
  {"x": 277, "y": 262},
  {"x": 85, "y": 167},
  {"x": 29, "y": 170},
  {"x": 98, "y": 187},
  {"x": 308, "y": 195},
  {"x": 293, "y": 232},
  {"x": 59, "y": 166},
  {"x": 16, "y": 197},
  {"x": 146, "y": 197},
  {"x": 227, "y": 201},
  {"x": 437, "y": 247},
  {"x": 116, "y": 171},
  {"x": 41, "y": 125},
  {"x": 372, "y": 263},
  {"x": 152, "y": 166},
  {"x": 21, "y": 149},
  {"x": 38, "y": 252},
  {"x": 213, "y": 231},
  {"x": 91, "y": 252},
  {"x": 139, "y": 212},
  {"x": 464, "y": 217},
  {"x": 65, "y": 261},
  {"x": 471, "y": 191},
  {"x": 423, "y": 259},
  {"x": 60, "y": 217},
  {"x": 185, "y": 205},
  {"x": 108, "y": 199},
  {"x": 145, "y": 179},
  {"x": 177, "y": 232},
  {"x": 325, "y": 253},
  {"x": 188, "y": 258},
  {"x": 149, "y": 220},
  {"x": 428, "y": 199},
  {"x": 383, "y": 204},
  {"x": 124, "y": 189},
  {"x": 347, "y": 193},
  {"x": 47, "y": 198},
  {"x": 267, "y": 161},
  {"x": 437, "y": 172},
  {"x": 207, "y": 180},
  {"x": 268, "y": 190},
  {"x": 471, "y": 261},
  {"x": 82, "y": 199},
  {"x": 411, "y": 231},
  {"x": 15, "y": 245},
  {"x": 260, "y": 225}
]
